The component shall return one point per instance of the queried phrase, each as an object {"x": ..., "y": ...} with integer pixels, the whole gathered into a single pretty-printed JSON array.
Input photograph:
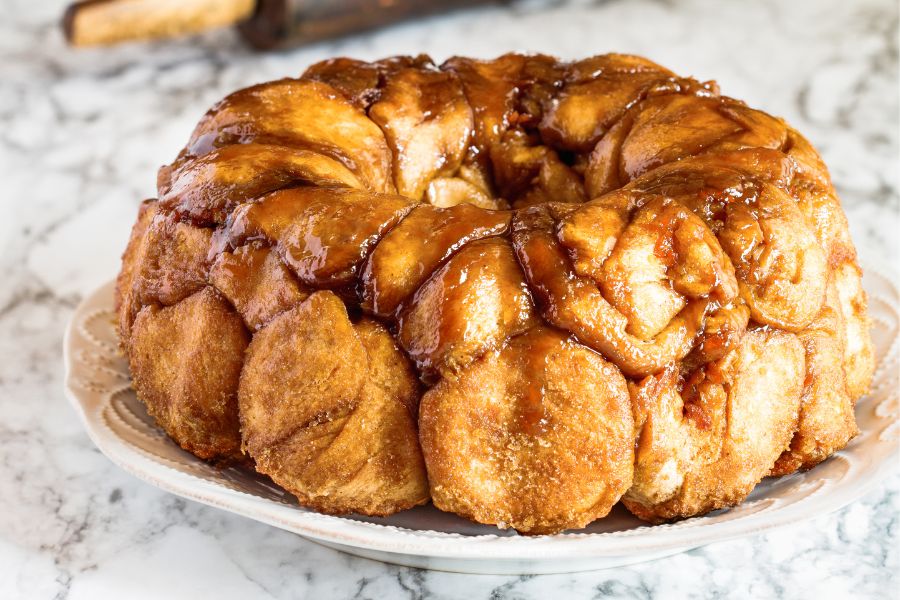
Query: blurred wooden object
[
  {"x": 264, "y": 24},
  {"x": 105, "y": 22}
]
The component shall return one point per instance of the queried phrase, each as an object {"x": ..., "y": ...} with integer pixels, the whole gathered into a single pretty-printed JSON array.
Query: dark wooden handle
[
  {"x": 263, "y": 23},
  {"x": 289, "y": 22}
]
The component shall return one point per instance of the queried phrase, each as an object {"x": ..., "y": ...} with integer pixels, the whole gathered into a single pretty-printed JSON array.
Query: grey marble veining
[{"x": 82, "y": 135}]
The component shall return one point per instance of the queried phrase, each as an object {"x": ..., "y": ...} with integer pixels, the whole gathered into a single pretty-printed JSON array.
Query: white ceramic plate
[{"x": 97, "y": 383}]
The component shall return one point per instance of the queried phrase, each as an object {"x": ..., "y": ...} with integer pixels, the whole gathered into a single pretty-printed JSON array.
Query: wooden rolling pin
[{"x": 264, "y": 24}]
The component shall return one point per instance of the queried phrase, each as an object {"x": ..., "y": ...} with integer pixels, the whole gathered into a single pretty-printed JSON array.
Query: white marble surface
[{"x": 81, "y": 135}]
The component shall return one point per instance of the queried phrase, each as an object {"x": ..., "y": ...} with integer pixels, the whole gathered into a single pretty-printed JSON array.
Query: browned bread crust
[{"x": 608, "y": 281}]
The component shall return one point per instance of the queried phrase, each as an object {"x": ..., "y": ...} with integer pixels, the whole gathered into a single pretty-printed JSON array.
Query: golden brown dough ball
[
  {"x": 537, "y": 436},
  {"x": 186, "y": 360},
  {"x": 327, "y": 411}
]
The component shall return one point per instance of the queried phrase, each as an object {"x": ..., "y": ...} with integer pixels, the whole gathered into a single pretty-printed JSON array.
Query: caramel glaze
[{"x": 651, "y": 219}]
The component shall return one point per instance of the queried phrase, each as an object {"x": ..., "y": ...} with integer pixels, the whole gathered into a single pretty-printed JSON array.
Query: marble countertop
[{"x": 82, "y": 135}]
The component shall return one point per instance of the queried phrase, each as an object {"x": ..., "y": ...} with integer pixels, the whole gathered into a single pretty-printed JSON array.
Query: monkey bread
[{"x": 521, "y": 289}]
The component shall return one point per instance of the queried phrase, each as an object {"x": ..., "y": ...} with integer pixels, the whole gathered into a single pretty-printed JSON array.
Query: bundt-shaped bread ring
[{"x": 521, "y": 288}]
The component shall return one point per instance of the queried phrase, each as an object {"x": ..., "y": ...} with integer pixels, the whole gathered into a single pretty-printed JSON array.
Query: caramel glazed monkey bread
[{"x": 522, "y": 289}]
